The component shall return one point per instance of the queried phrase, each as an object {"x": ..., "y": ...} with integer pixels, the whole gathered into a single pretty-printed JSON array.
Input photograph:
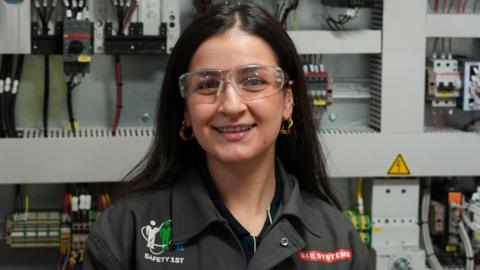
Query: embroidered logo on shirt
[
  {"x": 159, "y": 240},
  {"x": 325, "y": 256}
]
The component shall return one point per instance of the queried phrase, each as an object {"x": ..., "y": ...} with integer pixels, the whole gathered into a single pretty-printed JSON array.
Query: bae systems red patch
[{"x": 323, "y": 256}]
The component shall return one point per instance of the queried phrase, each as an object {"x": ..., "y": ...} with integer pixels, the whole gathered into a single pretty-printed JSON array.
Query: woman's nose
[{"x": 229, "y": 100}]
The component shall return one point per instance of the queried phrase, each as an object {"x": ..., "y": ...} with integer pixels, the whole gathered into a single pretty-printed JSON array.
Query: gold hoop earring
[
  {"x": 182, "y": 135},
  {"x": 287, "y": 126}
]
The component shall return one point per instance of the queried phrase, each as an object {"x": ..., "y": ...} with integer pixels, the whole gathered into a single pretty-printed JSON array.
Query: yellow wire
[
  {"x": 107, "y": 197},
  {"x": 27, "y": 203},
  {"x": 360, "y": 193}
]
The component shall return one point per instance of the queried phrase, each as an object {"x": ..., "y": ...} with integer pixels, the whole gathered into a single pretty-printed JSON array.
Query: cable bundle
[
  {"x": 76, "y": 9},
  {"x": 425, "y": 232},
  {"x": 125, "y": 10},
  {"x": 342, "y": 19},
  {"x": 460, "y": 5},
  {"x": 9, "y": 85},
  {"x": 45, "y": 12},
  {"x": 462, "y": 220},
  {"x": 283, "y": 9}
]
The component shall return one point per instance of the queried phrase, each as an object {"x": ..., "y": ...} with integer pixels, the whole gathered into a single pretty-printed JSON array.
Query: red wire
[
  {"x": 66, "y": 200},
  {"x": 459, "y": 4},
  {"x": 118, "y": 107},
  {"x": 436, "y": 6},
  {"x": 444, "y": 8},
  {"x": 464, "y": 6},
  {"x": 128, "y": 18}
]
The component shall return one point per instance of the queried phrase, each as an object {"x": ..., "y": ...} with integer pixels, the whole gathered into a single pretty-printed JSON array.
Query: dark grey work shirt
[
  {"x": 180, "y": 228},
  {"x": 249, "y": 242}
]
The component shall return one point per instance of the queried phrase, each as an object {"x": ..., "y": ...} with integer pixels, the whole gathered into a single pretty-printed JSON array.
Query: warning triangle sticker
[{"x": 399, "y": 167}]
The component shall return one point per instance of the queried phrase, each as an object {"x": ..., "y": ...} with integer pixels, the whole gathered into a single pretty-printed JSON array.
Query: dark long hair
[{"x": 300, "y": 151}]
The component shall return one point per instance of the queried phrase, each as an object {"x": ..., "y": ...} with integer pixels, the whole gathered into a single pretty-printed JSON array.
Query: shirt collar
[
  {"x": 193, "y": 209},
  {"x": 301, "y": 205}
]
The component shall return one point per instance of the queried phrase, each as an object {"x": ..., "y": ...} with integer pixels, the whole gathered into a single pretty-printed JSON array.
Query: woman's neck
[{"x": 246, "y": 189}]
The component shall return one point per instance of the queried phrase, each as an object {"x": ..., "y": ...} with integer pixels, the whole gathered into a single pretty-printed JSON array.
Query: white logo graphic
[{"x": 157, "y": 245}]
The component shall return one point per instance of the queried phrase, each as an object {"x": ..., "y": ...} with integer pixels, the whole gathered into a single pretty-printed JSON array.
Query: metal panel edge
[{"x": 333, "y": 42}]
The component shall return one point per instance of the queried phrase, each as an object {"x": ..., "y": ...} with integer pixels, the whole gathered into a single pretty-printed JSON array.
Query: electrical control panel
[
  {"x": 405, "y": 258},
  {"x": 319, "y": 85},
  {"x": 367, "y": 83},
  {"x": 470, "y": 71},
  {"x": 350, "y": 3},
  {"x": 443, "y": 82},
  {"x": 394, "y": 223}
]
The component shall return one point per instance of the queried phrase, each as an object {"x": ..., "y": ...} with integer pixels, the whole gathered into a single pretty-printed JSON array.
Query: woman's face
[{"x": 232, "y": 129}]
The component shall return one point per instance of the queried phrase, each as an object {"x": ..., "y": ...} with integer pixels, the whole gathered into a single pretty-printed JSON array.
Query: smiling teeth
[{"x": 235, "y": 129}]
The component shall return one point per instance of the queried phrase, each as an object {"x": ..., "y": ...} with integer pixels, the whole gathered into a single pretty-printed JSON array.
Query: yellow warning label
[
  {"x": 76, "y": 125},
  {"x": 399, "y": 167},
  {"x": 84, "y": 58},
  {"x": 319, "y": 102},
  {"x": 450, "y": 248}
]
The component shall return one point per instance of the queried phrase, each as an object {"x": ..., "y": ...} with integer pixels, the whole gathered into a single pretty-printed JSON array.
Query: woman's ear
[{"x": 289, "y": 103}]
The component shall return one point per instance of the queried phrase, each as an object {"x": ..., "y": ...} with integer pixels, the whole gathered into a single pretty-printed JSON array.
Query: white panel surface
[
  {"x": 332, "y": 42},
  {"x": 426, "y": 154},
  {"x": 403, "y": 71},
  {"x": 456, "y": 26},
  {"x": 60, "y": 160},
  {"x": 55, "y": 160},
  {"x": 15, "y": 28}
]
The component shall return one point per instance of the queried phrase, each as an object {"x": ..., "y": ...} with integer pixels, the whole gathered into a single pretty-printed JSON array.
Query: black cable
[
  {"x": 17, "y": 201},
  {"x": 46, "y": 95},
  {"x": 471, "y": 123},
  {"x": 8, "y": 95},
  {"x": 2, "y": 106},
  {"x": 16, "y": 80},
  {"x": 450, "y": 45},
  {"x": 70, "y": 105},
  {"x": 435, "y": 43},
  {"x": 70, "y": 86},
  {"x": 13, "y": 125},
  {"x": 7, "y": 63},
  {"x": 42, "y": 12},
  {"x": 287, "y": 11}
]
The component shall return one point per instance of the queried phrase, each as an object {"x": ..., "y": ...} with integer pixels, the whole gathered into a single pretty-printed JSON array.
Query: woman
[{"x": 235, "y": 177}]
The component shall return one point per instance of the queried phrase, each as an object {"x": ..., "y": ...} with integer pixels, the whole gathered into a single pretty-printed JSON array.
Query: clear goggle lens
[{"x": 250, "y": 82}]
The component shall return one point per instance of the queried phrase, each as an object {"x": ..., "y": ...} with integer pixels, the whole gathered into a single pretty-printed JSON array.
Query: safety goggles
[{"x": 250, "y": 82}]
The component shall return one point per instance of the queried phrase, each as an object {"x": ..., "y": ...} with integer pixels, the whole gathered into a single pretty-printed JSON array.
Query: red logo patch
[{"x": 327, "y": 257}]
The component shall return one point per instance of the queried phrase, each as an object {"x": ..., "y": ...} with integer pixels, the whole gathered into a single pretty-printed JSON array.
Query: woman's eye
[
  {"x": 253, "y": 81},
  {"x": 208, "y": 85}
]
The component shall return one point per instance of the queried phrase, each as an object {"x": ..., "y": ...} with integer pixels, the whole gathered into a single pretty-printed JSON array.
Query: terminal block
[{"x": 35, "y": 229}]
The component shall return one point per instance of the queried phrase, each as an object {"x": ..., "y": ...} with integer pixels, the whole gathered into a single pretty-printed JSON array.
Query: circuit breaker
[{"x": 444, "y": 83}]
